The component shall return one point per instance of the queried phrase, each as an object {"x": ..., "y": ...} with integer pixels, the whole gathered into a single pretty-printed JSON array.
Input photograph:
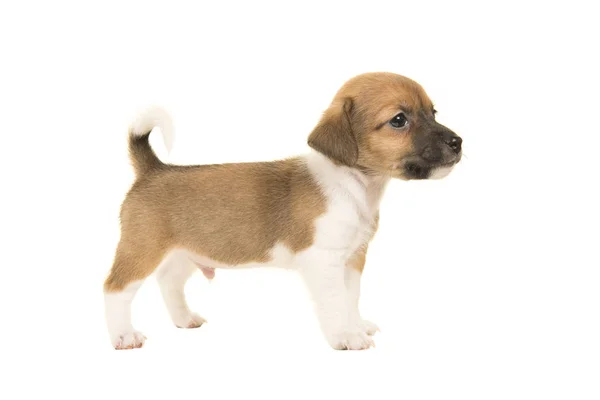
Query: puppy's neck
[{"x": 363, "y": 188}]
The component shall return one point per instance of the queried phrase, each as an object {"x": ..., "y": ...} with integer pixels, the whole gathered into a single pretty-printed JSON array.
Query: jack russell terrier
[{"x": 315, "y": 213}]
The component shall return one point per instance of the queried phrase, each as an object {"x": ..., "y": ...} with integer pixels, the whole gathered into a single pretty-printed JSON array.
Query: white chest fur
[{"x": 353, "y": 200}]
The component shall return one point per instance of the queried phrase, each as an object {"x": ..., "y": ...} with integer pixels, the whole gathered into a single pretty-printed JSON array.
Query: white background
[{"x": 485, "y": 285}]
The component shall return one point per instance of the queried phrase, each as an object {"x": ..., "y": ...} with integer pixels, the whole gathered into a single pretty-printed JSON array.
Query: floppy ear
[{"x": 333, "y": 135}]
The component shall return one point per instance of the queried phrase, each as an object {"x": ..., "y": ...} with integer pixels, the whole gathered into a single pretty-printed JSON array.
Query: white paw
[
  {"x": 368, "y": 327},
  {"x": 190, "y": 321},
  {"x": 129, "y": 340},
  {"x": 351, "y": 340}
]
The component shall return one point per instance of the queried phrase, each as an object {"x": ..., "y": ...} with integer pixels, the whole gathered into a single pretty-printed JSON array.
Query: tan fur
[
  {"x": 231, "y": 213},
  {"x": 235, "y": 213},
  {"x": 359, "y": 258}
]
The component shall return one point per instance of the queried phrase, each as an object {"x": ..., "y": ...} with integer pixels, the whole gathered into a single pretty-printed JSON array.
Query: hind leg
[
  {"x": 117, "y": 307},
  {"x": 129, "y": 270},
  {"x": 172, "y": 277}
]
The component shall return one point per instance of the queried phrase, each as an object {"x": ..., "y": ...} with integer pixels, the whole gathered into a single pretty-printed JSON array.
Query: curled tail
[{"x": 141, "y": 154}]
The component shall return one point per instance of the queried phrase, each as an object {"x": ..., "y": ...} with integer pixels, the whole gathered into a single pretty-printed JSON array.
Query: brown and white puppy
[{"x": 315, "y": 213}]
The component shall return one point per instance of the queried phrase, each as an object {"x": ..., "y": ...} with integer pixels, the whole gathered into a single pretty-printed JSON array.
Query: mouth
[
  {"x": 413, "y": 170},
  {"x": 419, "y": 169}
]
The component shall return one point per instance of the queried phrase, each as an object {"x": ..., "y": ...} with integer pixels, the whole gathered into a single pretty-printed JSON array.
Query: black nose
[{"x": 453, "y": 141}]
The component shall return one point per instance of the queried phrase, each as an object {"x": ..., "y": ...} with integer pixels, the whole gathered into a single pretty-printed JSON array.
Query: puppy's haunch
[{"x": 315, "y": 213}]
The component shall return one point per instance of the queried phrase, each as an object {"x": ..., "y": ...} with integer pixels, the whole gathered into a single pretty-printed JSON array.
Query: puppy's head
[{"x": 385, "y": 124}]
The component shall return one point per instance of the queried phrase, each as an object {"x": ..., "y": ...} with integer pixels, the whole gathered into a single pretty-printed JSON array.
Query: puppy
[{"x": 315, "y": 213}]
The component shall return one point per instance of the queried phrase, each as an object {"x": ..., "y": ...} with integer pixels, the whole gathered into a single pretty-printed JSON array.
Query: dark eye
[{"x": 399, "y": 121}]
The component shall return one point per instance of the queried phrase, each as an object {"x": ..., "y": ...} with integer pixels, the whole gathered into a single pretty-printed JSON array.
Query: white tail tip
[{"x": 151, "y": 118}]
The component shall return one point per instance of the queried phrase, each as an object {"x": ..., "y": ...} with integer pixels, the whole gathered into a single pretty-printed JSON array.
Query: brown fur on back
[{"x": 230, "y": 213}]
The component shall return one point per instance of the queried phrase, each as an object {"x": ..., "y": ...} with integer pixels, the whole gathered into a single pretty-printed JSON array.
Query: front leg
[
  {"x": 326, "y": 283},
  {"x": 353, "y": 273}
]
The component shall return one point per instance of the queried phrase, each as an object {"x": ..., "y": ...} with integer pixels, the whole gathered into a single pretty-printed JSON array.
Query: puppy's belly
[
  {"x": 334, "y": 242},
  {"x": 281, "y": 256}
]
